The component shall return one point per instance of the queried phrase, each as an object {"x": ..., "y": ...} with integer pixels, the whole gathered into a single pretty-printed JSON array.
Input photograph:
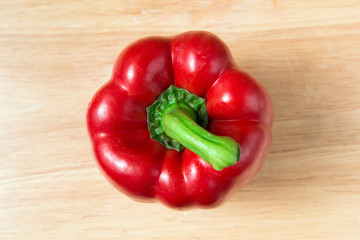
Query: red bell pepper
[{"x": 184, "y": 150}]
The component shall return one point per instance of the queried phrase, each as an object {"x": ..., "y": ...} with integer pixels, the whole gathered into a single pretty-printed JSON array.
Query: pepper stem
[
  {"x": 179, "y": 124},
  {"x": 178, "y": 119}
]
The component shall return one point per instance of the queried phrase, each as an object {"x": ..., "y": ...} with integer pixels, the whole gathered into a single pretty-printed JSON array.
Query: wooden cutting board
[{"x": 54, "y": 55}]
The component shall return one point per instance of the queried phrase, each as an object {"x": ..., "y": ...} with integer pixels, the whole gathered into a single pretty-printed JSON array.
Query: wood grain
[{"x": 55, "y": 54}]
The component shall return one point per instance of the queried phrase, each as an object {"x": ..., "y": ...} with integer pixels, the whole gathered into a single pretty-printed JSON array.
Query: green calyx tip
[{"x": 174, "y": 97}]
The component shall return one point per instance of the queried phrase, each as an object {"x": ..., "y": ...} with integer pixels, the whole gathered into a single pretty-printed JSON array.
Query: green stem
[{"x": 179, "y": 123}]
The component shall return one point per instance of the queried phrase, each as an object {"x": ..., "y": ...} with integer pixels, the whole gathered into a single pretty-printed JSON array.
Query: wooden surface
[{"x": 54, "y": 55}]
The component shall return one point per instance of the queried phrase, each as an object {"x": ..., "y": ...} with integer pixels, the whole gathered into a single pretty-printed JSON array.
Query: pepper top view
[
  {"x": 180, "y": 122},
  {"x": 196, "y": 120}
]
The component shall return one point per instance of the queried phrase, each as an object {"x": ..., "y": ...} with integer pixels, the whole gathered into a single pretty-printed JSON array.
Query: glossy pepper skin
[{"x": 238, "y": 106}]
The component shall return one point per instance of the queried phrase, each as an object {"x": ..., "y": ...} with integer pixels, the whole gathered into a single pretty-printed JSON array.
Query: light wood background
[{"x": 54, "y": 55}]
